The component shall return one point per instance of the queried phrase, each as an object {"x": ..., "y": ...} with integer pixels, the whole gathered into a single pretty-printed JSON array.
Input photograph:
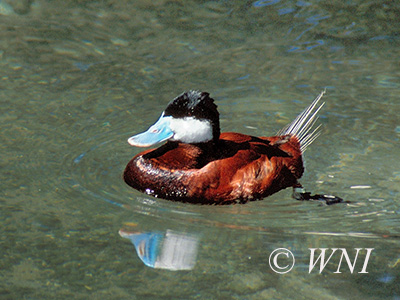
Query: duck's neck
[
  {"x": 208, "y": 147},
  {"x": 207, "y": 152}
]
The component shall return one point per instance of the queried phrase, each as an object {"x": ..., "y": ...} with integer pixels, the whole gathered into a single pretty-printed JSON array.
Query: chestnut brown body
[{"x": 235, "y": 169}]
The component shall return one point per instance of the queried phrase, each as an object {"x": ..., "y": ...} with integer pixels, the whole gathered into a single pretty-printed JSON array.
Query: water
[{"x": 78, "y": 78}]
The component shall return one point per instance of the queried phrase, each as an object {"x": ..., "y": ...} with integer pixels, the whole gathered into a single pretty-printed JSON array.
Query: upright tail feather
[{"x": 303, "y": 127}]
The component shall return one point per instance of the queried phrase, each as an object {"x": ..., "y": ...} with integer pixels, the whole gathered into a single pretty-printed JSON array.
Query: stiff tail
[{"x": 303, "y": 127}]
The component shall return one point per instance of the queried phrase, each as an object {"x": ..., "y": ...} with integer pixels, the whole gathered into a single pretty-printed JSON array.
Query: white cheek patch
[{"x": 191, "y": 130}]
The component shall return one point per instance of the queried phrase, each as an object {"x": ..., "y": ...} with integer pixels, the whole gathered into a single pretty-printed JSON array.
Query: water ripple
[{"x": 96, "y": 166}]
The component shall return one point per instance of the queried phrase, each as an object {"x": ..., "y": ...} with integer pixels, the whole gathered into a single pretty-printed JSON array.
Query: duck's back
[{"x": 238, "y": 168}]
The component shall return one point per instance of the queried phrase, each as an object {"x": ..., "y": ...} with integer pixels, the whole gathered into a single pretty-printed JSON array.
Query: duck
[{"x": 200, "y": 165}]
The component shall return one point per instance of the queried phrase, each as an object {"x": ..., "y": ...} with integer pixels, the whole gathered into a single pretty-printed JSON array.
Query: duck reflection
[{"x": 170, "y": 250}]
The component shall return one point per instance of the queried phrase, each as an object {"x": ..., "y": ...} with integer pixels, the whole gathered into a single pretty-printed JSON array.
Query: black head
[{"x": 198, "y": 105}]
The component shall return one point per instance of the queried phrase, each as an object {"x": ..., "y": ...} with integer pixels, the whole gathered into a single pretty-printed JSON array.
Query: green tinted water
[{"x": 78, "y": 78}]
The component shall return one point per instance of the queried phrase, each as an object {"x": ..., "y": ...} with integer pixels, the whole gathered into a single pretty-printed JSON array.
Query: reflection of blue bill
[
  {"x": 146, "y": 245},
  {"x": 172, "y": 250}
]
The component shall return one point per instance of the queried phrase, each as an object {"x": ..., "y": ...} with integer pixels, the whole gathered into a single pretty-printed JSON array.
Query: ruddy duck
[{"x": 198, "y": 164}]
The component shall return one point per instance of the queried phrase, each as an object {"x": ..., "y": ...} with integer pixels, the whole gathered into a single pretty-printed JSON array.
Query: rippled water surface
[{"x": 77, "y": 78}]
